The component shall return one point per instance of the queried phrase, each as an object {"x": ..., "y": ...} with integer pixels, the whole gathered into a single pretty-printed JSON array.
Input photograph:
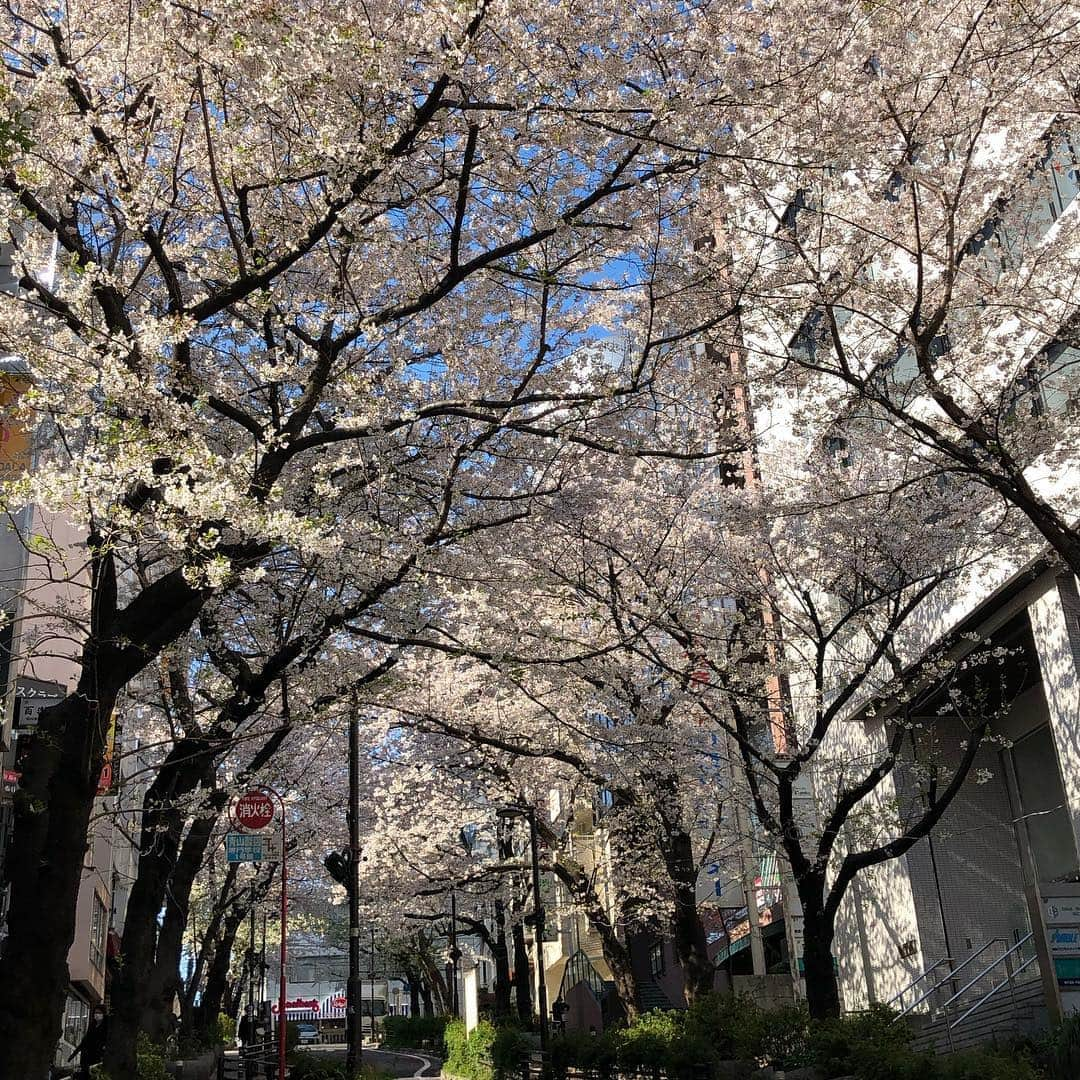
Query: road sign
[
  {"x": 254, "y": 810},
  {"x": 252, "y": 847}
]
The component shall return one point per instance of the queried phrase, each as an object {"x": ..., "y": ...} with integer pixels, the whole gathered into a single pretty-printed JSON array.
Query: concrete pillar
[
  {"x": 471, "y": 1005},
  {"x": 1055, "y": 622}
]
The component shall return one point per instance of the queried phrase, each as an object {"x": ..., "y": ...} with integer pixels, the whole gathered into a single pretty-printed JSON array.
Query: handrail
[
  {"x": 986, "y": 997},
  {"x": 986, "y": 971},
  {"x": 948, "y": 978},
  {"x": 911, "y": 985}
]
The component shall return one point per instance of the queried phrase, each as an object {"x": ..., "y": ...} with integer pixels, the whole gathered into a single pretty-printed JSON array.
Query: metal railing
[
  {"x": 899, "y": 997},
  {"x": 1009, "y": 980},
  {"x": 950, "y": 977}
]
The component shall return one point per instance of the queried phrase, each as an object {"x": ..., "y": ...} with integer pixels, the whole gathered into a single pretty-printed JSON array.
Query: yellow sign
[{"x": 14, "y": 438}]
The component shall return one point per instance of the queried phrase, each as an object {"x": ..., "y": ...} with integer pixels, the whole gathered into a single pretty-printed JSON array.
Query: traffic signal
[{"x": 337, "y": 865}]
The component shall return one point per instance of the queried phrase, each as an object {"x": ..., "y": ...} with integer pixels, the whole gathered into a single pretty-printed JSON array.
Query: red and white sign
[
  {"x": 295, "y": 1005},
  {"x": 254, "y": 810}
]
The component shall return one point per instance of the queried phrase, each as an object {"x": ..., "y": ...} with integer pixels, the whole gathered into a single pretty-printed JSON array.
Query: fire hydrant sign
[
  {"x": 252, "y": 847},
  {"x": 254, "y": 810}
]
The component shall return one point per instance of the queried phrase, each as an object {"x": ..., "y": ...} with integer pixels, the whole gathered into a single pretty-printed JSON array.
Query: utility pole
[
  {"x": 354, "y": 1022},
  {"x": 455, "y": 957},
  {"x": 251, "y": 952},
  {"x": 371, "y": 982}
]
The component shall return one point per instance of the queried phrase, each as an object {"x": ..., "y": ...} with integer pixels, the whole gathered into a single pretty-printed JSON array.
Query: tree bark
[
  {"x": 822, "y": 989},
  {"x": 414, "y": 991},
  {"x": 691, "y": 947},
  {"x": 522, "y": 981},
  {"x": 137, "y": 998},
  {"x": 45, "y": 864},
  {"x": 53, "y": 808},
  {"x": 501, "y": 953},
  {"x": 217, "y": 977}
]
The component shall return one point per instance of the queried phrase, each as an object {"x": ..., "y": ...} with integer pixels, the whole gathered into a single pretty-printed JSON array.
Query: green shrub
[
  {"x": 309, "y": 1067},
  {"x": 149, "y": 1059},
  {"x": 1063, "y": 1049},
  {"x": 412, "y": 1031},
  {"x": 650, "y": 1043},
  {"x": 486, "y": 1052},
  {"x": 871, "y": 1061},
  {"x": 986, "y": 1065},
  {"x": 837, "y": 1047},
  {"x": 509, "y": 1047},
  {"x": 225, "y": 1030},
  {"x": 469, "y": 1055},
  {"x": 584, "y": 1051}
]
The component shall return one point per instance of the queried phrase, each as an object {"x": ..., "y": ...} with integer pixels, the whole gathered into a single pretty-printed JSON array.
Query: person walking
[{"x": 91, "y": 1048}]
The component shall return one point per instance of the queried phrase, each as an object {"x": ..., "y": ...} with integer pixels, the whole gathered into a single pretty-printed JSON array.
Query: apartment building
[
  {"x": 42, "y": 592},
  {"x": 987, "y": 908}
]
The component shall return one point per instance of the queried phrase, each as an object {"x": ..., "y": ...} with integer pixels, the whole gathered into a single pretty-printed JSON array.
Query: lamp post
[{"x": 541, "y": 988}]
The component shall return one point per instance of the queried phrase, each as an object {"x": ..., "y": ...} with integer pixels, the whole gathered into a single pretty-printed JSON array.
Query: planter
[{"x": 204, "y": 1067}]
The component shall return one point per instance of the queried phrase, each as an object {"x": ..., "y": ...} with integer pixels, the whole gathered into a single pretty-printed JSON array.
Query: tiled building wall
[{"x": 966, "y": 878}]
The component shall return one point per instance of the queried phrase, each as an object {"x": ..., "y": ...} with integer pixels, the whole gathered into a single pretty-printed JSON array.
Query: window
[
  {"x": 836, "y": 446},
  {"x": 99, "y": 925},
  {"x": 787, "y": 232},
  {"x": 76, "y": 1020},
  {"x": 9, "y": 276},
  {"x": 1057, "y": 376},
  {"x": 656, "y": 959}
]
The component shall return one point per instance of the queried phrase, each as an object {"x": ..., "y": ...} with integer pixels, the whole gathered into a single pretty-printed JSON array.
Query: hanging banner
[{"x": 109, "y": 781}]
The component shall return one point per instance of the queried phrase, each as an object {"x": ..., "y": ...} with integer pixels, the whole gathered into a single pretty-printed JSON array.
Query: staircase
[
  {"x": 650, "y": 997},
  {"x": 1019, "y": 1011},
  {"x": 996, "y": 991}
]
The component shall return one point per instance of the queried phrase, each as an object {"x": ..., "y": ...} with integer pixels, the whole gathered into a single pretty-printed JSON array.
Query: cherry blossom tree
[
  {"x": 269, "y": 255},
  {"x": 905, "y": 256}
]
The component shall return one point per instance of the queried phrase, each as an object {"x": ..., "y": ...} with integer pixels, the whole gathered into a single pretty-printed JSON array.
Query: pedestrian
[
  {"x": 91, "y": 1049},
  {"x": 246, "y": 1029}
]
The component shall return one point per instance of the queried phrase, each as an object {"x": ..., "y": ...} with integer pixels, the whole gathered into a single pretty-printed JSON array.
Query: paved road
[{"x": 395, "y": 1062}]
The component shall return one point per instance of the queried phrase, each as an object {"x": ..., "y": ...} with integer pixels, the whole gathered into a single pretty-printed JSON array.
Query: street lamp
[{"x": 529, "y": 814}]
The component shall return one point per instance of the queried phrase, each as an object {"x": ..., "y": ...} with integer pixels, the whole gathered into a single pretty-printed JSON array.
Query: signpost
[
  {"x": 252, "y": 812},
  {"x": 252, "y": 847}
]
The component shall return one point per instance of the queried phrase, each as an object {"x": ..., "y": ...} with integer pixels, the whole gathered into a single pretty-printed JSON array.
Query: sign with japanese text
[{"x": 252, "y": 847}]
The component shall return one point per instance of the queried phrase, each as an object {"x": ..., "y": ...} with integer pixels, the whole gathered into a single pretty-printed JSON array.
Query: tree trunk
[
  {"x": 163, "y": 982},
  {"x": 522, "y": 974},
  {"x": 164, "y": 879},
  {"x": 501, "y": 954},
  {"x": 217, "y": 977},
  {"x": 44, "y": 867},
  {"x": 425, "y": 993},
  {"x": 691, "y": 947},
  {"x": 53, "y": 807},
  {"x": 822, "y": 989}
]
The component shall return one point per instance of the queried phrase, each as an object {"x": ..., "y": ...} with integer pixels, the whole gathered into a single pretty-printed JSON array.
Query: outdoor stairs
[
  {"x": 1010, "y": 1013},
  {"x": 651, "y": 997}
]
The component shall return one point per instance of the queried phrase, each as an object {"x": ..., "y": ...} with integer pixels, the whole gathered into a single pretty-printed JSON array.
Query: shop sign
[
  {"x": 32, "y": 697},
  {"x": 11, "y": 781}
]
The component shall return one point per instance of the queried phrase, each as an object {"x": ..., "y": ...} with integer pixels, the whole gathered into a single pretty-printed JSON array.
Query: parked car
[{"x": 308, "y": 1033}]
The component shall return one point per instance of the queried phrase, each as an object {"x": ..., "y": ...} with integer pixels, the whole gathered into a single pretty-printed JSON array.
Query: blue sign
[{"x": 251, "y": 847}]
